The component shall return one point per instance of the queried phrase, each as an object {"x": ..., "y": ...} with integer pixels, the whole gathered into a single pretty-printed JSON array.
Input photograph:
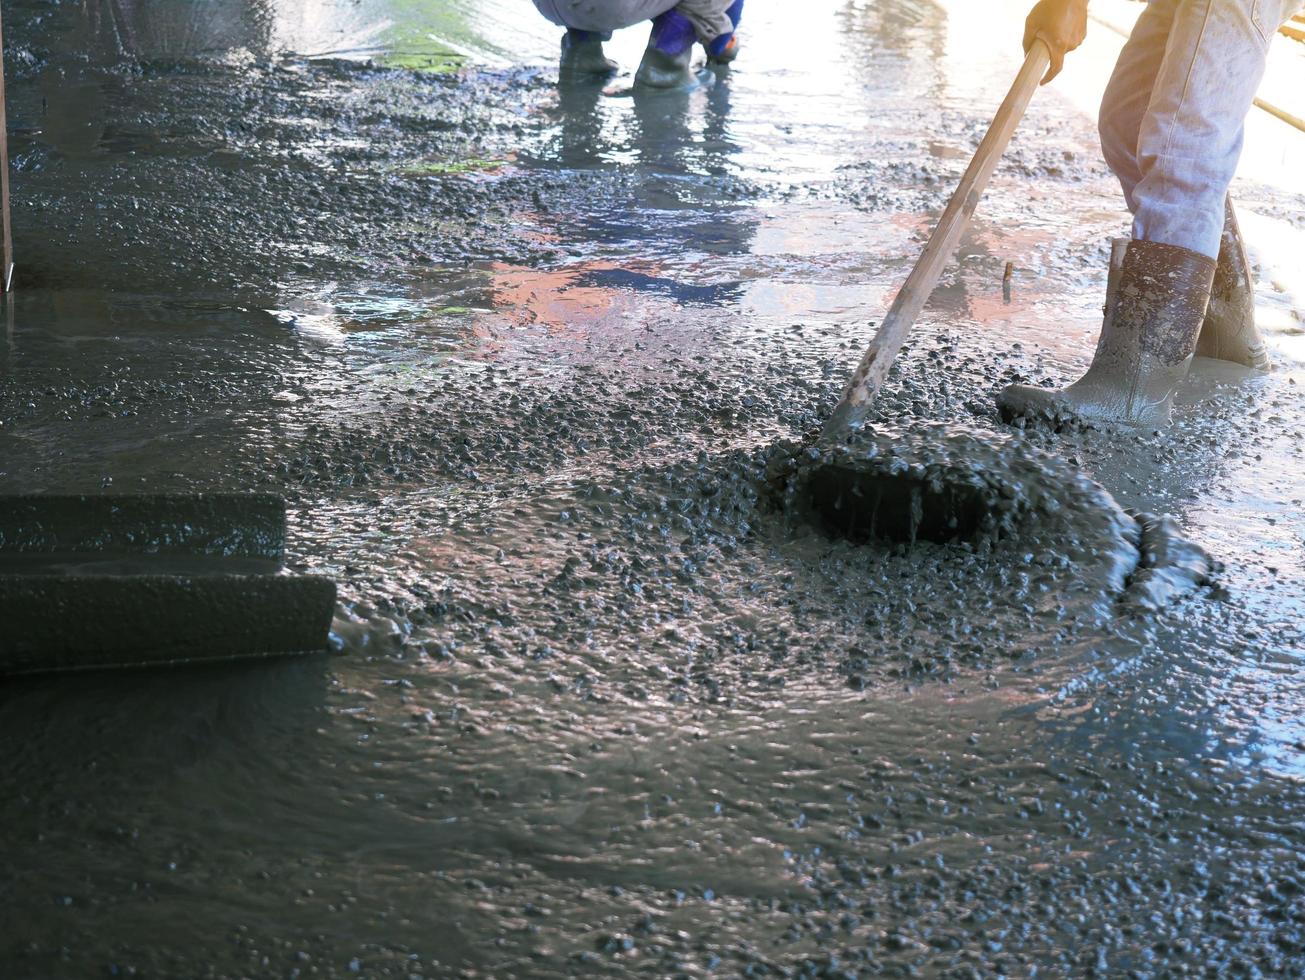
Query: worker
[
  {"x": 1171, "y": 125},
  {"x": 676, "y": 26}
]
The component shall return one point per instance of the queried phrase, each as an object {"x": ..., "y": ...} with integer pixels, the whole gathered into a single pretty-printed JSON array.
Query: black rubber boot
[
  {"x": 1229, "y": 333},
  {"x": 667, "y": 61},
  {"x": 1155, "y": 305},
  {"x": 665, "y": 71},
  {"x": 583, "y": 58}
]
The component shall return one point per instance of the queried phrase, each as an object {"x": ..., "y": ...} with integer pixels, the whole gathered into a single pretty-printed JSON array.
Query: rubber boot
[
  {"x": 582, "y": 56},
  {"x": 1155, "y": 305},
  {"x": 1229, "y": 333},
  {"x": 725, "y": 48},
  {"x": 666, "y": 62}
]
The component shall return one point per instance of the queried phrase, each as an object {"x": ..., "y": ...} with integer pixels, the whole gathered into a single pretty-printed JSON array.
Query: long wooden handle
[{"x": 869, "y": 375}]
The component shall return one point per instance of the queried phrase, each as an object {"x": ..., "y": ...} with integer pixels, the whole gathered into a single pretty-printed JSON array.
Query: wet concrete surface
[{"x": 521, "y": 359}]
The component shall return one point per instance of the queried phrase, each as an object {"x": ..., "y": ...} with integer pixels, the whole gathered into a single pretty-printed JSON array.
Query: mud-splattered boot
[
  {"x": 725, "y": 48},
  {"x": 1155, "y": 305},
  {"x": 666, "y": 62},
  {"x": 1229, "y": 333},
  {"x": 582, "y": 56}
]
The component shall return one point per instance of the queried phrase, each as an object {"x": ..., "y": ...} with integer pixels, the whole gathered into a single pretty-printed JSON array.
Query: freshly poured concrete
[
  {"x": 522, "y": 360},
  {"x": 986, "y": 493}
]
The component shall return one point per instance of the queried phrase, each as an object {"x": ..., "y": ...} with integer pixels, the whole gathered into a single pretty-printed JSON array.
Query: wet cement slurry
[{"x": 520, "y": 360}]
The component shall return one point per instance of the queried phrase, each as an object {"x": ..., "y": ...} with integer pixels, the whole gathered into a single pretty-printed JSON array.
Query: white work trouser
[{"x": 1173, "y": 115}]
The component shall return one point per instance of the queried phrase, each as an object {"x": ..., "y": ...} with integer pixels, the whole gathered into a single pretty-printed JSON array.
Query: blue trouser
[{"x": 1173, "y": 115}]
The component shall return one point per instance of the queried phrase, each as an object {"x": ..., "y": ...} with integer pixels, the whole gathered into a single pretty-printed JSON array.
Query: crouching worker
[
  {"x": 675, "y": 28},
  {"x": 1171, "y": 128}
]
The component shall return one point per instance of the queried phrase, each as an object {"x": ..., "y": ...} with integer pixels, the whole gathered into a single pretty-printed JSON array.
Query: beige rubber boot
[
  {"x": 1229, "y": 332},
  {"x": 1155, "y": 305}
]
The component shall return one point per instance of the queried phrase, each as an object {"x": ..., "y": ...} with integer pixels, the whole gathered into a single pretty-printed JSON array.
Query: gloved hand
[{"x": 1061, "y": 25}]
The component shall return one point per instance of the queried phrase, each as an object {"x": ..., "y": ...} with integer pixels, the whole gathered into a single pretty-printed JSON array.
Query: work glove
[{"x": 1061, "y": 25}]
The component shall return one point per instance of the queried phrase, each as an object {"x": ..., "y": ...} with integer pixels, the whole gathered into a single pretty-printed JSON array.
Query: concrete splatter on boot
[
  {"x": 582, "y": 56},
  {"x": 1229, "y": 333},
  {"x": 1155, "y": 306},
  {"x": 666, "y": 62}
]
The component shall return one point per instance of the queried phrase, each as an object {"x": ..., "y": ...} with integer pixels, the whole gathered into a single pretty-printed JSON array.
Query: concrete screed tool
[{"x": 839, "y": 477}]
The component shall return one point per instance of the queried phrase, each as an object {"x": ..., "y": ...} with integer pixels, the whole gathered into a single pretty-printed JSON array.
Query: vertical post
[
  {"x": 7, "y": 245},
  {"x": 7, "y": 348}
]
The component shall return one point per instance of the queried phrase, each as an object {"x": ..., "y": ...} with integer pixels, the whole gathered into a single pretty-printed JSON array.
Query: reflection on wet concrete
[
  {"x": 684, "y": 293},
  {"x": 408, "y": 34},
  {"x": 595, "y": 708},
  {"x": 136, "y": 30}
]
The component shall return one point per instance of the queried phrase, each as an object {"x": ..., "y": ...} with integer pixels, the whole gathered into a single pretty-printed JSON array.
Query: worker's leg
[
  {"x": 1191, "y": 135},
  {"x": 1155, "y": 304},
  {"x": 589, "y": 24},
  {"x": 725, "y": 47},
  {"x": 1128, "y": 93},
  {"x": 666, "y": 61},
  {"x": 582, "y": 56},
  {"x": 1188, "y": 144},
  {"x": 1110, "y": 390},
  {"x": 714, "y": 21},
  {"x": 1229, "y": 332}
]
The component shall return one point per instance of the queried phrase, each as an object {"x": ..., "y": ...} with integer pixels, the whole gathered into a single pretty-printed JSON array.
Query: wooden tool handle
[{"x": 869, "y": 375}]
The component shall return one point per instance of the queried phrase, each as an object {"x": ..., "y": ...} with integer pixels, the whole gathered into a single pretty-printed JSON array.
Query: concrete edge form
[
  {"x": 224, "y": 525},
  {"x": 53, "y": 624}
]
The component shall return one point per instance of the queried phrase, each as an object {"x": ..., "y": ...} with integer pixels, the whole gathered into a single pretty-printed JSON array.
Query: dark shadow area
[{"x": 863, "y": 507}]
